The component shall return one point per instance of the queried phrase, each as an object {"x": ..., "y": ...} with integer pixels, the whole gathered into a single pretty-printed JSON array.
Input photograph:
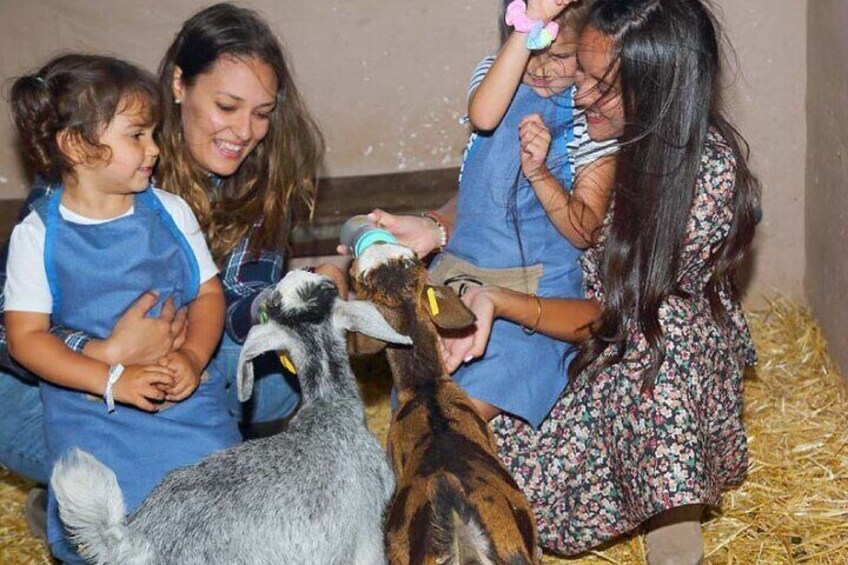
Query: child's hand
[
  {"x": 186, "y": 369},
  {"x": 140, "y": 385},
  {"x": 546, "y": 10},
  {"x": 535, "y": 139}
]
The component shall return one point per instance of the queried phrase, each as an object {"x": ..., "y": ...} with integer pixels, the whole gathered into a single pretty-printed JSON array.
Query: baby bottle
[{"x": 359, "y": 232}]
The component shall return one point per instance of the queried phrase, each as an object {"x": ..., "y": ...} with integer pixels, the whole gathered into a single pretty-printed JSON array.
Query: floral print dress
[{"x": 610, "y": 455}]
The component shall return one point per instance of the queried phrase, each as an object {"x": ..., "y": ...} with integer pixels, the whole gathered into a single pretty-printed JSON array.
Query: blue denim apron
[
  {"x": 95, "y": 272},
  {"x": 501, "y": 224}
]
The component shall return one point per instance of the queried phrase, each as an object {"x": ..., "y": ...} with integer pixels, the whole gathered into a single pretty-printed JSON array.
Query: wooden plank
[
  {"x": 338, "y": 199},
  {"x": 342, "y": 197}
]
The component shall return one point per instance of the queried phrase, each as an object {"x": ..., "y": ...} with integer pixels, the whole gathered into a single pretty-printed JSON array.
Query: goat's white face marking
[
  {"x": 291, "y": 284},
  {"x": 377, "y": 255}
]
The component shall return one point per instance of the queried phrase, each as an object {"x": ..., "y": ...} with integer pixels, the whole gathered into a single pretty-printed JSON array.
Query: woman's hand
[
  {"x": 535, "y": 140},
  {"x": 138, "y": 339},
  {"x": 462, "y": 348},
  {"x": 420, "y": 234}
]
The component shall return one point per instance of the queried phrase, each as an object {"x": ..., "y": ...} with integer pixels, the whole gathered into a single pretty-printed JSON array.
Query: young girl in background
[
  {"x": 84, "y": 254},
  {"x": 532, "y": 193}
]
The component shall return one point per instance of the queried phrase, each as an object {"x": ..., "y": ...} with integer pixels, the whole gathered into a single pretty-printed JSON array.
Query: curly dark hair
[{"x": 77, "y": 95}]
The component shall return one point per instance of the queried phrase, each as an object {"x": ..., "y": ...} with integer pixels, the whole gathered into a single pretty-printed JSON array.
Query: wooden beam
[
  {"x": 342, "y": 197},
  {"x": 338, "y": 199}
]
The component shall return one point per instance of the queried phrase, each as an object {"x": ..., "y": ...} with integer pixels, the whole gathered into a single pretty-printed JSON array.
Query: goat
[
  {"x": 313, "y": 493},
  {"x": 455, "y": 502}
]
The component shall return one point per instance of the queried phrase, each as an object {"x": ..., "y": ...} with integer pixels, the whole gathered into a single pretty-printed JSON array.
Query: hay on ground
[{"x": 793, "y": 507}]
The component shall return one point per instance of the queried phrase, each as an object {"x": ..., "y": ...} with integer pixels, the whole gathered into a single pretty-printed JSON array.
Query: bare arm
[
  {"x": 448, "y": 212},
  {"x": 565, "y": 319},
  {"x": 578, "y": 214},
  {"x": 31, "y": 344},
  {"x": 203, "y": 332},
  {"x": 418, "y": 233},
  {"x": 205, "y": 324},
  {"x": 47, "y": 356},
  {"x": 488, "y": 103}
]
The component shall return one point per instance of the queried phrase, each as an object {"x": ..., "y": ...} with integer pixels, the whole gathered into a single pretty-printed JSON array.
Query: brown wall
[
  {"x": 767, "y": 97},
  {"x": 387, "y": 81},
  {"x": 827, "y": 172}
]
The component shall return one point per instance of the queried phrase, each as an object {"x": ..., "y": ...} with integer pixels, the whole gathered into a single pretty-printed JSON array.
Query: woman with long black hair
[{"x": 650, "y": 429}]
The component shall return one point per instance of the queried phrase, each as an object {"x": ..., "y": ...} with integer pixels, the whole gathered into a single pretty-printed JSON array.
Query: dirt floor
[{"x": 793, "y": 508}]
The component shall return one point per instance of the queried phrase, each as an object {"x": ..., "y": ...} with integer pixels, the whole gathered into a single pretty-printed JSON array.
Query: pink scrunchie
[{"x": 540, "y": 35}]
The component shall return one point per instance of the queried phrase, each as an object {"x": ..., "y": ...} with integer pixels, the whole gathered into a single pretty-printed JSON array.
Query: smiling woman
[
  {"x": 238, "y": 145},
  {"x": 598, "y": 85},
  {"x": 237, "y": 141},
  {"x": 649, "y": 431},
  {"x": 226, "y": 111}
]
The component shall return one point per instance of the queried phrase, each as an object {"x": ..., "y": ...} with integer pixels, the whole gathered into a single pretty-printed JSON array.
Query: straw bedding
[{"x": 793, "y": 508}]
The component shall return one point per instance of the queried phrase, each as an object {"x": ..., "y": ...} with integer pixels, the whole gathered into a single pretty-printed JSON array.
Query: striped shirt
[{"x": 582, "y": 150}]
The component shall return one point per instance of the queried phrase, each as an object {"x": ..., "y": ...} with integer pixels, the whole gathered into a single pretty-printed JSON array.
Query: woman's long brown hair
[{"x": 256, "y": 200}]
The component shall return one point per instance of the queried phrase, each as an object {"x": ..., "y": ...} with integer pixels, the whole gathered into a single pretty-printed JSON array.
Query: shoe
[{"x": 35, "y": 512}]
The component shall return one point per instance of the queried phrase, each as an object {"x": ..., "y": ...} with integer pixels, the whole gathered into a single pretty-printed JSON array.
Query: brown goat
[{"x": 455, "y": 503}]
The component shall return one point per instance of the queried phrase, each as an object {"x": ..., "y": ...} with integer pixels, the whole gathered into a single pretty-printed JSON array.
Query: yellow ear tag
[
  {"x": 287, "y": 364},
  {"x": 434, "y": 305}
]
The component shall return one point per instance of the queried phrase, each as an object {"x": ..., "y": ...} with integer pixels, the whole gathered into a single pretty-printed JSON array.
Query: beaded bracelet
[
  {"x": 539, "y": 34},
  {"x": 440, "y": 222}
]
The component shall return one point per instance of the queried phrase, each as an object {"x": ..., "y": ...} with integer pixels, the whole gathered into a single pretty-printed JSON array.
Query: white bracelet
[
  {"x": 115, "y": 372},
  {"x": 439, "y": 220}
]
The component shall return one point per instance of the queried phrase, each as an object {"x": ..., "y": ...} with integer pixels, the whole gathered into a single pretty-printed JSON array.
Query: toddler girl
[
  {"x": 101, "y": 238},
  {"x": 530, "y": 176}
]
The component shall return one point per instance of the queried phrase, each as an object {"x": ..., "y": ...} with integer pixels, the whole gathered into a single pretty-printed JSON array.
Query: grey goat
[{"x": 313, "y": 493}]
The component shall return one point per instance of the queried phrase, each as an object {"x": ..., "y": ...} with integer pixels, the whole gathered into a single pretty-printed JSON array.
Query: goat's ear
[
  {"x": 261, "y": 339},
  {"x": 361, "y": 344},
  {"x": 446, "y": 308},
  {"x": 363, "y": 317}
]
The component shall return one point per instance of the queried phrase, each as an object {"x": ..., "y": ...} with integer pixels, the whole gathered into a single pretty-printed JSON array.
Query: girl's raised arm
[{"x": 488, "y": 103}]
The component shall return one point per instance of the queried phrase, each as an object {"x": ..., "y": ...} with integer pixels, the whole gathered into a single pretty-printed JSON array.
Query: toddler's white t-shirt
[{"x": 27, "y": 289}]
